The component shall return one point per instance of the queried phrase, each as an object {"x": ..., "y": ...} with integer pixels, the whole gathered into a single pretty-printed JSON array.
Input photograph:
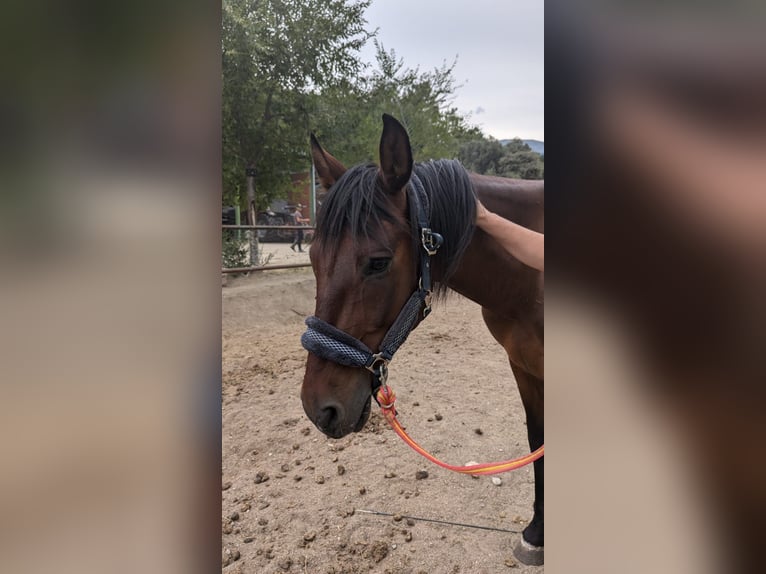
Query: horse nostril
[{"x": 328, "y": 418}]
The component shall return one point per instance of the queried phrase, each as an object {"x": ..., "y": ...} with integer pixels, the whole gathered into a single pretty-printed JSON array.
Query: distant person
[
  {"x": 524, "y": 244},
  {"x": 298, "y": 219}
]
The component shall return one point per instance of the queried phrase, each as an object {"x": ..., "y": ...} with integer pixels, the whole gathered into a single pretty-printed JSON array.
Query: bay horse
[{"x": 366, "y": 257}]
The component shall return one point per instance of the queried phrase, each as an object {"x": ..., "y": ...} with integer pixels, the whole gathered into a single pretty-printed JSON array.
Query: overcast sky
[{"x": 499, "y": 49}]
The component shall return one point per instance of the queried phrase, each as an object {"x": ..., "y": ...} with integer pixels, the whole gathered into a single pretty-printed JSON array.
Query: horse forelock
[{"x": 356, "y": 205}]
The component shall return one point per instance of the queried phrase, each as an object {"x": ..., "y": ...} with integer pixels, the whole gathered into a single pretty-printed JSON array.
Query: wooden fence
[{"x": 265, "y": 267}]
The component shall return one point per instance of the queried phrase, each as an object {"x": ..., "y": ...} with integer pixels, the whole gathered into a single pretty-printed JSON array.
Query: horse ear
[
  {"x": 395, "y": 155},
  {"x": 328, "y": 168}
]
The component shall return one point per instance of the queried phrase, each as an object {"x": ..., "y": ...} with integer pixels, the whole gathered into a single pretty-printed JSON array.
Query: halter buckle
[
  {"x": 430, "y": 240},
  {"x": 379, "y": 368},
  {"x": 427, "y": 305}
]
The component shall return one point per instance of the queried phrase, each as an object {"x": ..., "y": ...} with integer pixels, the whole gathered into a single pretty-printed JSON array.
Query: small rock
[
  {"x": 362, "y": 490},
  {"x": 262, "y": 521},
  {"x": 263, "y": 505},
  {"x": 389, "y": 475},
  {"x": 234, "y": 516},
  {"x": 415, "y": 404},
  {"x": 305, "y": 431},
  {"x": 319, "y": 479},
  {"x": 227, "y": 528},
  {"x": 410, "y": 522},
  {"x": 296, "y": 446},
  {"x": 285, "y": 467},
  {"x": 497, "y": 481},
  {"x": 309, "y": 536},
  {"x": 226, "y": 486},
  {"x": 478, "y": 431},
  {"x": 260, "y": 477},
  {"x": 285, "y": 564},
  {"x": 397, "y": 517},
  {"x": 511, "y": 563},
  {"x": 421, "y": 474},
  {"x": 438, "y": 417},
  {"x": 408, "y": 537},
  {"x": 341, "y": 469},
  {"x": 229, "y": 556},
  {"x": 297, "y": 478},
  {"x": 248, "y": 539},
  {"x": 298, "y": 462},
  {"x": 378, "y": 550},
  {"x": 335, "y": 459}
]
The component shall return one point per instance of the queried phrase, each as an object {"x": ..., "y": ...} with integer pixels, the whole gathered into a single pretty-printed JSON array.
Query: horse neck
[{"x": 489, "y": 275}]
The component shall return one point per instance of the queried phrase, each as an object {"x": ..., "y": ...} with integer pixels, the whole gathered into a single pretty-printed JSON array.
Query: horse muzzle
[
  {"x": 337, "y": 408},
  {"x": 331, "y": 419}
]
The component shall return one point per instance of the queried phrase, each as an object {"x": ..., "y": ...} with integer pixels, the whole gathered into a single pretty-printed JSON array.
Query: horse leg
[
  {"x": 529, "y": 550},
  {"x": 519, "y": 343}
]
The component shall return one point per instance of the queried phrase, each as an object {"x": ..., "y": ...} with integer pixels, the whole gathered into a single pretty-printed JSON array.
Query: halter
[{"x": 330, "y": 343}]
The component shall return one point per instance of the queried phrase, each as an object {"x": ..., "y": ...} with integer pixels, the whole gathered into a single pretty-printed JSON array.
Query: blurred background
[
  {"x": 656, "y": 243},
  {"x": 119, "y": 144}
]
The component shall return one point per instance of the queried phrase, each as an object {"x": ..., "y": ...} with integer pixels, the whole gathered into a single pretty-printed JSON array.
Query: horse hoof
[{"x": 528, "y": 554}]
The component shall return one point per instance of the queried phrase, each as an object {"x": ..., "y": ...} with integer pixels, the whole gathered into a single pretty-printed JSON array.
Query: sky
[{"x": 499, "y": 50}]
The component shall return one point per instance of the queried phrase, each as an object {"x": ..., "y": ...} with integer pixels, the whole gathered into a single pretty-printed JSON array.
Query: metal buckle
[
  {"x": 426, "y": 299},
  {"x": 431, "y": 241},
  {"x": 427, "y": 306},
  {"x": 379, "y": 368}
]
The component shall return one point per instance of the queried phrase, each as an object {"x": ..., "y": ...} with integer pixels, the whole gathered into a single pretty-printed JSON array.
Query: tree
[
  {"x": 348, "y": 118},
  {"x": 515, "y": 159},
  {"x": 520, "y": 161},
  {"x": 481, "y": 156},
  {"x": 276, "y": 55}
]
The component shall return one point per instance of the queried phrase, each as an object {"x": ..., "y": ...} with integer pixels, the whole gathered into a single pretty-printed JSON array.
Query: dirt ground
[{"x": 295, "y": 500}]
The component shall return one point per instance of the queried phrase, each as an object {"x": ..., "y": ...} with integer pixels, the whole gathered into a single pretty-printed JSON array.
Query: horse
[{"x": 368, "y": 262}]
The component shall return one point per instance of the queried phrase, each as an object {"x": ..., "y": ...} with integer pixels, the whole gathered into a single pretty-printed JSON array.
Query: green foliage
[
  {"x": 233, "y": 251},
  {"x": 291, "y": 67},
  {"x": 490, "y": 157},
  {"x": 276, "y": 55},
  {"x": 481, "y": 156},
  {"x": 348, "y": 118}
]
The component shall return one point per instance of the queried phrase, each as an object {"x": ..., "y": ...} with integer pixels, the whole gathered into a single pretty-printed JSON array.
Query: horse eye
[{"x": 376, "y": 266}]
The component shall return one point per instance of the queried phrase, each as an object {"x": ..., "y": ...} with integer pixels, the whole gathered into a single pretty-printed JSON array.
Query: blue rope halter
[{"x": 330, "y": 343}]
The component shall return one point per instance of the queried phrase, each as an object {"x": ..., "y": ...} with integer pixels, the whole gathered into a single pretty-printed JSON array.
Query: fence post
[
  {"x": 238, "y": 221},
  {"x": 252, "y": 234}
]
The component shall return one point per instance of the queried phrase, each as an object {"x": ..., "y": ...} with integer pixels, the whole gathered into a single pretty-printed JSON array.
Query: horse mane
[
  {"x": 453, "y": 213},
  {"x": 358, "y": 204}
]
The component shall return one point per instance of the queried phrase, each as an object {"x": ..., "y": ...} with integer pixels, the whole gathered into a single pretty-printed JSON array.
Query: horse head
[{"x": 365, "y": 267}]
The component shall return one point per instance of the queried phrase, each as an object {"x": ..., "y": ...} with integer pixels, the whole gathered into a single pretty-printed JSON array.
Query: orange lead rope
[{"x": 386, "y": 399}]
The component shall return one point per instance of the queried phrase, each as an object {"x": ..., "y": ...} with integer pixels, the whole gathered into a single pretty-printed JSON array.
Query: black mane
[{"x": 357, "y": 204}]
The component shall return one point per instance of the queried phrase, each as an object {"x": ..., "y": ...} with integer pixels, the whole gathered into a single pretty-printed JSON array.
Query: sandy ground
[
  {"x": 274, "y": 253},
  {"x": 295, "y": 500}
]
